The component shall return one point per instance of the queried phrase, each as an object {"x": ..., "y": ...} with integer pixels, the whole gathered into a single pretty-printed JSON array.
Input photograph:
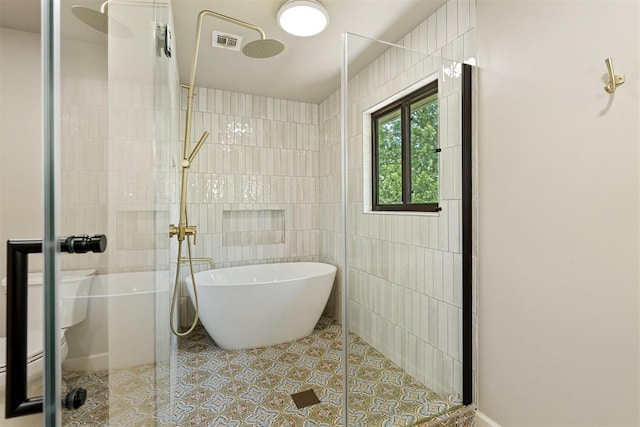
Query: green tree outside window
[{"x": 406, "y": 154}]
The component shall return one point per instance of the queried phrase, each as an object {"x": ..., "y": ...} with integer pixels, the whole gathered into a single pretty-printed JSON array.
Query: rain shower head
[
  {"x": 101, "y": 21},
  {"x": 263, "y": 48}
]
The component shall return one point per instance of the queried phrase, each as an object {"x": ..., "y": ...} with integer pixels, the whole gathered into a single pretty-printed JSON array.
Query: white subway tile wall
[
  {"x": 116, "y": 171},
  {"x": 256, "y": 173},
  {"x": 135, "y": 230},
  {"x": 253, "y": 188},
  {"x": 253, "y": 227},
  {"x": 83, "y": 164}
]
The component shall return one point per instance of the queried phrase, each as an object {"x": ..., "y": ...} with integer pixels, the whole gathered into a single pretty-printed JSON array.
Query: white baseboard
[
  {"x": 482, "y": 420},
  {"x": 94, "y": 362}
]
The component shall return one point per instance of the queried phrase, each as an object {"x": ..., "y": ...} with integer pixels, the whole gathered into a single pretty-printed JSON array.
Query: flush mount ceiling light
[{"x": 303, "y": 17}]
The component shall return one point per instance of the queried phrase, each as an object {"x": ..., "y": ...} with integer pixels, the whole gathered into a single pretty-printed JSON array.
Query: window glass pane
[
  {"x": 390, "y": 159},
  {"x": 424, "y": 142}
]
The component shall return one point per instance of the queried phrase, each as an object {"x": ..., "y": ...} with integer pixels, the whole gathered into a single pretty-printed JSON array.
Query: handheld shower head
[
  {"x": 101, "y": 21},
  {"x": 263, "y": 48}
]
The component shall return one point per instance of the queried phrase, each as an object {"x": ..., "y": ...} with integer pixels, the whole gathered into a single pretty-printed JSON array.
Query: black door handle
[{"x": 16, "y": 402}]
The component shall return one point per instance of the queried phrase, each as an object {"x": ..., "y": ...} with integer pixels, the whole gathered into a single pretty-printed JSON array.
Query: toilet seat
[{"x": 74, "y": 287}]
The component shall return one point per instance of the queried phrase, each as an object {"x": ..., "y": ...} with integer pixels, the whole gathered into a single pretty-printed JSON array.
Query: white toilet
[{"x": 74, "y": 289}]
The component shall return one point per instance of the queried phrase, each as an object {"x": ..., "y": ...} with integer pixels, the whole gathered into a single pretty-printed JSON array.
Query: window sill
[{"x": 402, "y": 213}]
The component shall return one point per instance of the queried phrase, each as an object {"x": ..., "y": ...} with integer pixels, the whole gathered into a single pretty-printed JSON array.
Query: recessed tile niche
[{"x": 253, "y": 227}]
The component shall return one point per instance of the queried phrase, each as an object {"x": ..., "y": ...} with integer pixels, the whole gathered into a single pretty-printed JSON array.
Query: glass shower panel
[
  {"x": 404, "y": 270},
  {"x": 119, "y": 121}
]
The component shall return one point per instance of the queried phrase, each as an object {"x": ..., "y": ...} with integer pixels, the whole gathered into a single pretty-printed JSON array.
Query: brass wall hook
[{"x": 614, "y": 80}]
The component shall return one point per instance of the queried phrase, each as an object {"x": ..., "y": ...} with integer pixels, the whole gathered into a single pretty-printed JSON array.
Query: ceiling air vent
[{"x": 226, "y": 41}]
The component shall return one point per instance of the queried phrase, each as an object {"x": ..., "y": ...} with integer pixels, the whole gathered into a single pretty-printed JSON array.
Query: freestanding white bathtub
[{"x": 262, "y": 305}]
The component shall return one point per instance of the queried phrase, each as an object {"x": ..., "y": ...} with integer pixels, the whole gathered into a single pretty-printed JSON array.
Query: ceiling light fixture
[{"x": 303, "y": 17}]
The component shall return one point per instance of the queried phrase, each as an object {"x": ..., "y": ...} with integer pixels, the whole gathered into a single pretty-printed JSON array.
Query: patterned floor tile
[{"x": 215, "y": 387}]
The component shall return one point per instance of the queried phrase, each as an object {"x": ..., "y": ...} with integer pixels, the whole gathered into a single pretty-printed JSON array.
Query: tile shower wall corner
[{"x": 330, "y": 196}]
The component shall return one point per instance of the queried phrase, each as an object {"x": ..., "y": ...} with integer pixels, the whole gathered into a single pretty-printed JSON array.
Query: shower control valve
[{"x": 182, "y": 231}]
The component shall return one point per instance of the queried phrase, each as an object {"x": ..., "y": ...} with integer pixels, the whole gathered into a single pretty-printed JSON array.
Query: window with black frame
[{"x": 406, "y": 153}]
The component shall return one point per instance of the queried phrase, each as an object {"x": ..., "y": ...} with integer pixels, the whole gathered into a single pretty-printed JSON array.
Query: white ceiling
[{"x": 308, "y": 69}]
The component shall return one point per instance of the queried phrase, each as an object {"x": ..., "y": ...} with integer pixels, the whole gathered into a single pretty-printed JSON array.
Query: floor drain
[{"x": 305, "y": 398}]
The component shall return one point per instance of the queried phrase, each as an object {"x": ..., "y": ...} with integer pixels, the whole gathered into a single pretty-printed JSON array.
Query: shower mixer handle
[{"x": 182, "y": 231}]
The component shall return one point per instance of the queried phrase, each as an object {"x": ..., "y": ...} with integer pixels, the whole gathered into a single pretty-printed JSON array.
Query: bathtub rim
[
  {"x": 124, "y": 289},
  {"x": 331, "y": 269}
]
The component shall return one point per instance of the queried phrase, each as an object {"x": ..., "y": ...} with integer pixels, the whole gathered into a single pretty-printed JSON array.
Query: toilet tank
[{"x": 74, "y": 289}]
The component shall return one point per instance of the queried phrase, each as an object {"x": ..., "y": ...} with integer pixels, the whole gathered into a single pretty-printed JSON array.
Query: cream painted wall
[
  {"x": 558, "y": 214},
  {"x": 20, "y": 140}
]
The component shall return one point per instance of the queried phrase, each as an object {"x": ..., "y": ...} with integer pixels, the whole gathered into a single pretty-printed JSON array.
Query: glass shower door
[{"x": 110, "y": 119}]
